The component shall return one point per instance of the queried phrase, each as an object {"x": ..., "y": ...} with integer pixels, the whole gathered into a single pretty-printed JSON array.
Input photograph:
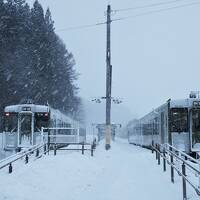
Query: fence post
[
  {"x": 172, "y": 168},
  {"x": 55, "y": 150},
  {"x": 92, "y": 149},
  {"x": 152, "y": 146},
  {"x": 37, "y": 153},
  {"x": 158, "y": 154},
  {"x": 26, "y": 159},
  {"x": 164, "y": 160},
  {"x": 199, "y": 178},
  {"x": 184, "y": 182},
  {"x": 48, "y": 148},
  {"x": 95, "y": 143},
  {"x": 45, "y": 149},
  {"x": 82, "y": 148},
  {"x": 10, "y": 169}
]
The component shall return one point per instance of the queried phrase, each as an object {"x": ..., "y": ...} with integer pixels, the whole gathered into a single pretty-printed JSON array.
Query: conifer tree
[{"x": 34, "y": 62}]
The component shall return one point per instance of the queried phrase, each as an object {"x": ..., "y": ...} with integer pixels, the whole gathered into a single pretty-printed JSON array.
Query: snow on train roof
[
  {"x": 27, "y": 107},
  {"x": 56, "y": 114},
  {"x": 183, "y": 102},
  {"x": 179, "y": 103}
]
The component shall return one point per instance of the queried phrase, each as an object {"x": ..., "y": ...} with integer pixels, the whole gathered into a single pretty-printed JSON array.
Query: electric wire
[
  {"x": 149, "y": 5},
  {"x": 133, "y": 16},
  {"x": 80, "y": 27},
  {"x": 157, "y": 11}
]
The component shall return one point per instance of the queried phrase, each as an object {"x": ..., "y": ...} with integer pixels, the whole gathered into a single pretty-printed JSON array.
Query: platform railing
[
  {"x": 26, "y": 154},
  {"x": 179, "y": 162},
  {"x": 72, "y": 146},
  {"x": 50, "y": 142}
]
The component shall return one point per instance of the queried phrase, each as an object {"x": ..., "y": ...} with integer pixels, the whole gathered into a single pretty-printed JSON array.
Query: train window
[
  {"x": 41, "y": 120},
  {"x": 25, "y": 120},
  {"x": 147, "y": 129},
  {"x": 10, "y": 122},
  {"x": 156, "y": 126},
  {"x": 179, "y": 120},
  {"x": 196, "y": 120}
]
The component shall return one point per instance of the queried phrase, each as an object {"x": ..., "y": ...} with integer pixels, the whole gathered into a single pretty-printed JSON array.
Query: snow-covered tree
[{"x": 34, "y": 62}]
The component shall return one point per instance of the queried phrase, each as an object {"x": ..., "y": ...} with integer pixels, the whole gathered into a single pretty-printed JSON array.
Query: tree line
[{"x": 34, "y": 62}]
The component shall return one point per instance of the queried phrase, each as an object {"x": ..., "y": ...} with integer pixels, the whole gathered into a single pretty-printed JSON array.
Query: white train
[
  {"x": 23, "y": 124},
  {"x": 176, "y": 122}
]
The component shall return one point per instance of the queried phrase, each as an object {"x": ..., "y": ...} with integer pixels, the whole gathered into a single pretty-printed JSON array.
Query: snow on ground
[{"x": 125, "y": 172}]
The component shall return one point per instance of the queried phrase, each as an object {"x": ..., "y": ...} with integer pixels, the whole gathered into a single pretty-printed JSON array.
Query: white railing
[{"x": 62, "y": 138}]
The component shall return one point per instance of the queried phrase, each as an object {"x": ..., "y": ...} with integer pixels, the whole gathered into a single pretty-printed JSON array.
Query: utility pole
[{"x": 108, "y": 83}]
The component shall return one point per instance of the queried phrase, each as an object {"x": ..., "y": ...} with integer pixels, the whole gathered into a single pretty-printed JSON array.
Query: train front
[
  {"x": 22, "y": 125},
  {"x": 185, "y": 124}
]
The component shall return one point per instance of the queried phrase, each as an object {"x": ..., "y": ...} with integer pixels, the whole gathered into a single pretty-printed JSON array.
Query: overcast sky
[{"x": 155, "y": 57}]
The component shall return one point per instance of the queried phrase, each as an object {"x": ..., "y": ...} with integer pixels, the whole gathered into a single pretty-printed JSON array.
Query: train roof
[
  {"x": 184, "y": 103},
  {"x": 178, "y": 103},
  {"x": 27, "y": 107},
  {"x": 181, "y": 103},
  {"x": 55, "y": 113}
]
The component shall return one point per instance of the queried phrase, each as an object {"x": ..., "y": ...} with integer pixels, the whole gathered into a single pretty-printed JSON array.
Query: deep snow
[{"x": 125, "y": 172}]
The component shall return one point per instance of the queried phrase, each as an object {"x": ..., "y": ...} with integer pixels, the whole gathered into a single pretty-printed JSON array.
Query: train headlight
[{"x": 7, "y": 114}]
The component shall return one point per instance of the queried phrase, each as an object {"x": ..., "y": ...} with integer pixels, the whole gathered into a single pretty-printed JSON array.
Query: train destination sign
[{"x": 26, "y": 108}]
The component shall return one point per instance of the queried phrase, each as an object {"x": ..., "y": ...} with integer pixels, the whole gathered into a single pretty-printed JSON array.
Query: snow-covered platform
[{"x": 125, "y": 172}]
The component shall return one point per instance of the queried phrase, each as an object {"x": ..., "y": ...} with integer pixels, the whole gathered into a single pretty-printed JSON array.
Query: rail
[
  {"x": 58, "y": 147},
  {"x": 56, "y": 141},
  {"x": 179, "y": 162},
  {"x": 24, "y": 154}
]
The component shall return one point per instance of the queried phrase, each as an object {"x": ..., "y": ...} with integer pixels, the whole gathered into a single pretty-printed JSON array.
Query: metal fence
[
  {"x": 75, "y": 147},
  {"x": 185, "y": 166},
  {"x": 36, "y": 150},
  {"x": 58, "y": 140}
]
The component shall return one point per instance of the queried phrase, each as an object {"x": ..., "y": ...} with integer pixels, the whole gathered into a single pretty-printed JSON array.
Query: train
[
  {"x": 23, "y": 123},
  {"x": 176, "y": 122}
]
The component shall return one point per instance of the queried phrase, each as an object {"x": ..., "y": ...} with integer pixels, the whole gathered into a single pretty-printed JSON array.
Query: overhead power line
[
  {"x": 149, "y": 5},
  {"x": 157, "y": 11},
  {"x": 133, "y": 16},
  {"x": 81, "y": 27}
]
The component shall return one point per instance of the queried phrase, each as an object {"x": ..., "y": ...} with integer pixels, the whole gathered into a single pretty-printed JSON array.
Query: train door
[
  {"x": 25, "y": 130},
  {"x": 195, "y": 129},
  {"x": 179, "y": 128}
]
